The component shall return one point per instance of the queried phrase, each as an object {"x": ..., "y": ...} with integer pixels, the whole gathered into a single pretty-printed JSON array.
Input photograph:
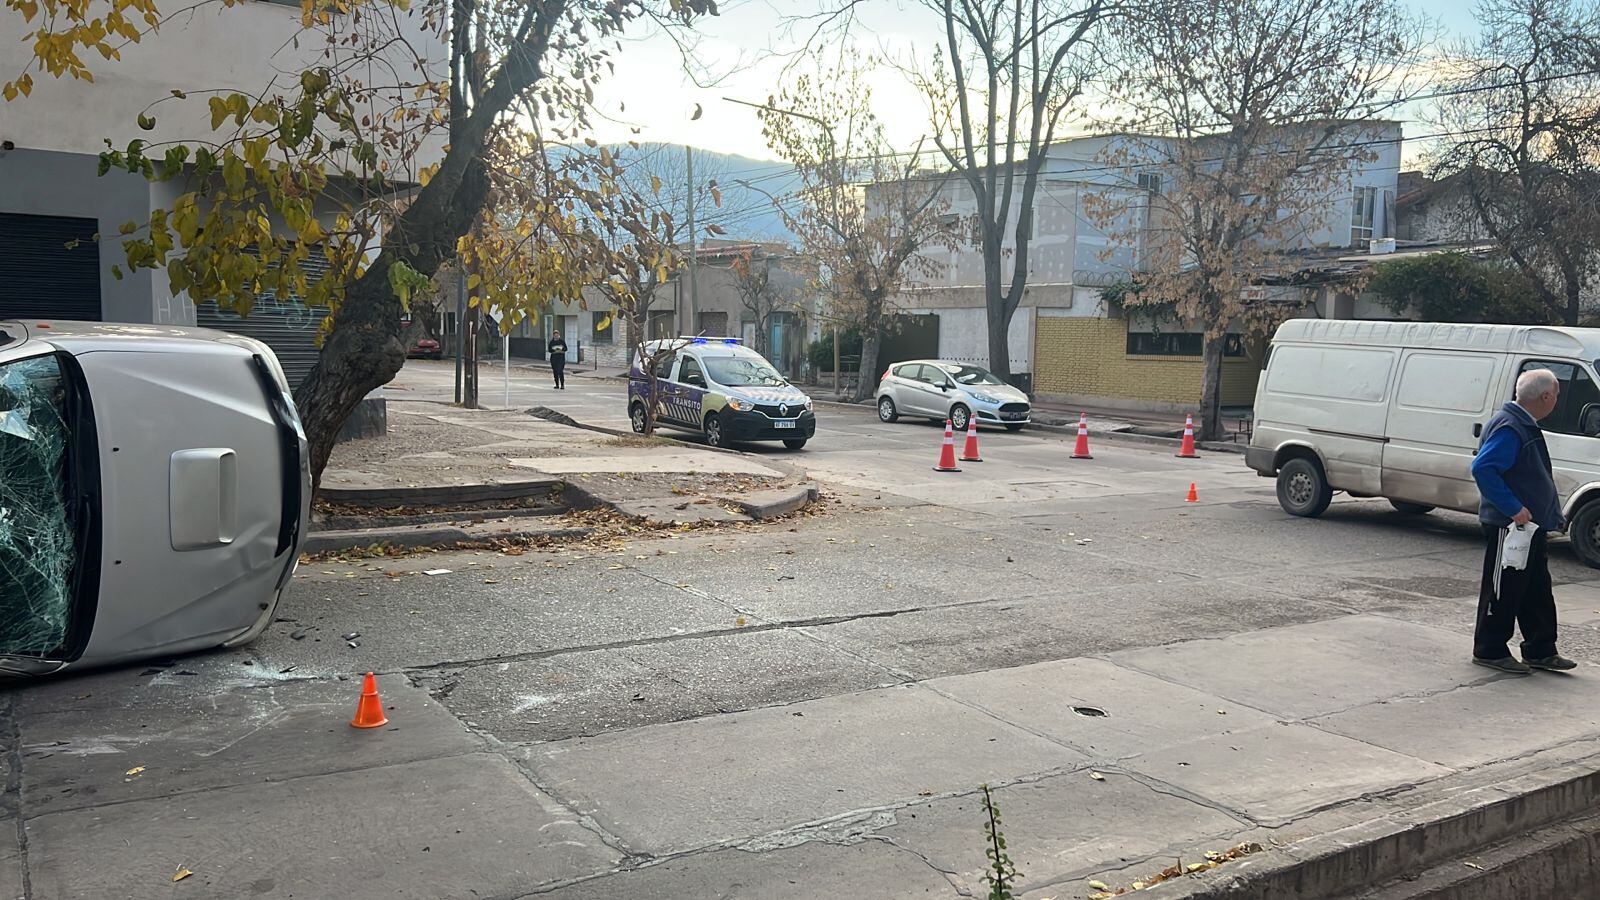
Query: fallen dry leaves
[{"x": 1213, "y": 859}]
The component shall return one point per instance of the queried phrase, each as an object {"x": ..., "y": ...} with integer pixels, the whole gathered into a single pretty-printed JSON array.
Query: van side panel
[
  {"x": 1441, "y": 399},
  {"x": 1333, "y": 398}
]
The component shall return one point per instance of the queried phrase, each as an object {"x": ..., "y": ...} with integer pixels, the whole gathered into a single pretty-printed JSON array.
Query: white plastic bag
[{"x": 1514, "y": 549}]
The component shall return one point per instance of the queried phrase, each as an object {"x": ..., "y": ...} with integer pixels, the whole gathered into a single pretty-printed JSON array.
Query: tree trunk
[
  {"x": 867, "y": 371},
  {"x": 1209, "y": 428},
  {"x": 364, "y": 350},
  {"x": 994, "y": 303}
]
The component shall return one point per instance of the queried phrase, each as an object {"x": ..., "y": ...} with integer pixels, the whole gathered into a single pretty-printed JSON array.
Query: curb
[
  {"x": 1371, "y": 854},
  {"x": 786, "y": 503},
  {"x": 1071, "y": 430},
  {"x": 416, "y": 538},
  {"x": 1127, "y": 437},
  {"x": 561, "y": 418},
  {"x": 439, "y": 495}
]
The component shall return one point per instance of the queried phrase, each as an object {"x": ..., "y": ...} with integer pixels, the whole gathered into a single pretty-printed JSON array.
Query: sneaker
[
  {"x": 1508, "y": 664},
  {"x": 1557, "y": 663}
]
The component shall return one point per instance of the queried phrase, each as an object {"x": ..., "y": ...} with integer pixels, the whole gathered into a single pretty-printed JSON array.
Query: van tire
[
  {"x": 1584, "y": 532},
  {"x": 638, "y": 418},
  {"x": 1302, "y": 488},
  {"x": 1410, "y": 509}
]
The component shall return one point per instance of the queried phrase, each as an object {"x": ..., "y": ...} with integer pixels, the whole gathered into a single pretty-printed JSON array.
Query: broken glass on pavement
[{"x": 38, "y": 549}]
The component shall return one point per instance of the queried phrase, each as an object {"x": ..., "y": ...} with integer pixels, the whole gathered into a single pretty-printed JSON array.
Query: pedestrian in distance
[
  {"x": 556, "y": 350},
  {"x": 1514, "y": 477}
]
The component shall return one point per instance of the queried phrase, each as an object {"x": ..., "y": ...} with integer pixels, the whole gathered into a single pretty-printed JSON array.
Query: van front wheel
[
  {"x": 1302, "y": 488},
  {"x": 1584, "y": 530}
]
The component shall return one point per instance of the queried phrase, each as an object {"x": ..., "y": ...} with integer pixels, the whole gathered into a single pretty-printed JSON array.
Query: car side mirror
[
  {"x": 944, "y": 386},
  {"x": 1589, "y": 420}
]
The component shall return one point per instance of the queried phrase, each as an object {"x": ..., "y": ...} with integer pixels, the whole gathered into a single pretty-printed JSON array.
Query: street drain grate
[{"x": 1093, "y": 712}]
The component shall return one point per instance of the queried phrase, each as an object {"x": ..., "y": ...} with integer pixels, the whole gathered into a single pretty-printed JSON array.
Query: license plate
[{"x": 783, "y": 424}]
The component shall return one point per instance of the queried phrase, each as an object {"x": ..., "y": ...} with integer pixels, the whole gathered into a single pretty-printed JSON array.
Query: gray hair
[{"x": 1534, "y": 383}]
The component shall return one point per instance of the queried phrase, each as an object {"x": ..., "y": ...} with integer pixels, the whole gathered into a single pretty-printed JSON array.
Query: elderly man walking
[{"x": 1514, "y": 477}]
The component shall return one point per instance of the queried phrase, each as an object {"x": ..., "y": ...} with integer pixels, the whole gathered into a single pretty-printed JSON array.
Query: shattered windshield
[
  {"x": 37, "y": 538},
  {"x": 736, "y": 371}
]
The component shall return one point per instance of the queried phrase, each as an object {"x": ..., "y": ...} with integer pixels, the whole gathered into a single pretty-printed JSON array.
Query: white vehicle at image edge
[
  {"x": 154, "y": 488},
  {"x": 939, "y": 390},
  {"x": 1396, "y": 409}
]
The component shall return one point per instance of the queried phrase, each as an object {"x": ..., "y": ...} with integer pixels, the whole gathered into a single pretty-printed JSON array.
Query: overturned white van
[{"x": 1395, "y": 410}]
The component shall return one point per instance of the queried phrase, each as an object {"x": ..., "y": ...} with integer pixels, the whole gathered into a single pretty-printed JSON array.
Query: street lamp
[{"x": 827, "y": 132}]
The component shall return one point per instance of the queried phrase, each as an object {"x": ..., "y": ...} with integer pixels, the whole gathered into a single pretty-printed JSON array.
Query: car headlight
[
  {"x": 737, "y": 405},
  {"x": 808, "y": 403},
  {"x": 982, "y": 397}
]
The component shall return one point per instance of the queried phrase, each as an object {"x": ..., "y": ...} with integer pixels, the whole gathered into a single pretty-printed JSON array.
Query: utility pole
[
  {"x": 689, "y": 307},
  {"x": 461, "y": 322}
]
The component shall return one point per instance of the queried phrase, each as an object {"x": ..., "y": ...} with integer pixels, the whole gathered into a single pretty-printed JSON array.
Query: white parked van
[{"x": 1395, "y": 410}]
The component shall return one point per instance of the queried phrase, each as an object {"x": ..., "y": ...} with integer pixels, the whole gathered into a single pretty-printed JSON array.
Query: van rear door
[{"x": 1442, "y": 399}]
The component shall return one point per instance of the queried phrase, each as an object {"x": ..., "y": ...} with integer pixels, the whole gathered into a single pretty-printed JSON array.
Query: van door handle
[{"x": 1477, "y": 429}]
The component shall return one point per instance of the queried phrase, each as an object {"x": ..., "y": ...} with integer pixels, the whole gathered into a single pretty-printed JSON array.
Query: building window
[
  {"x": 1361, "y": 216},
  {"x": 1176, "y": 343},
  {"x": 662, "y": 324},
  {"x": 1150, "y": 182},
  {"x": 604, "y": 329},
  {"x": 714, "y": 324}
]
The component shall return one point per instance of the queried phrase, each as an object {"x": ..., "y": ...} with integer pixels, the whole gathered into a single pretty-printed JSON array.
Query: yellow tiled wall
[{"x": 1089, "y": 357}]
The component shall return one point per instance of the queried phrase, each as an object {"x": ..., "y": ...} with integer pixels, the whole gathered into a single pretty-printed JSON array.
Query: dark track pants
[
  {"x": 1522, "y": 598},
  {"x": 558, "y": 368}
]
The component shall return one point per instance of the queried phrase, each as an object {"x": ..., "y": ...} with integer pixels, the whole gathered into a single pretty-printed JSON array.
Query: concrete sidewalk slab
[
  {"x": 181, "y": 743},
  {"x": 420, "y": 620},
  {"x": 1141, "y": 713},
  {"x": 571, "y": 695},
  {"x": 869, "y": 869},
  {"x": 11, "y": 875},
  {"x": 1317, "y": 668},
  {"x": 694, "y": 784},
  {"x": 464, "y": 826},
  {"x": 1061, "y": 827},
  {"x": 668, "y": 462},
  {"x": 1279, "y": 772},
  {"x": 957, "y": 639},
  {"x": 1471, "y": 726}
]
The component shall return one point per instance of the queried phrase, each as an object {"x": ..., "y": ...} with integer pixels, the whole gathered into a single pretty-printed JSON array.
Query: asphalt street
[{"x": 804, "y": 709}]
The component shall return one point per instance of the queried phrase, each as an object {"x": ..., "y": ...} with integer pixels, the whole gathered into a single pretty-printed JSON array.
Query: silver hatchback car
[{"x": 949, "y": 390}]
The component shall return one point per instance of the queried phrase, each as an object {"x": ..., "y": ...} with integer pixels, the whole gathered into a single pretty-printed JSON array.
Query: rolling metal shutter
[
  {"x": 41, "y": 277},
  {"x": 288, "y": 326}
]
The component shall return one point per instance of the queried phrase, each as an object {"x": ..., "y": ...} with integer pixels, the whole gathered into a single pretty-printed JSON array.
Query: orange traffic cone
[
  {"x": 969, "y": 453},
  {"x": 1081, "y": 451},
  {"x": 1193, "y": 497},
  {"x": 947, "y": 456},
  {"x": 369, "y": 712},
  {"x": 1187, "y": 450}
]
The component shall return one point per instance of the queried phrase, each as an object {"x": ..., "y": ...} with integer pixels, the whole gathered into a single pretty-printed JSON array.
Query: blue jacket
[{"x": 1513, "y": 471}]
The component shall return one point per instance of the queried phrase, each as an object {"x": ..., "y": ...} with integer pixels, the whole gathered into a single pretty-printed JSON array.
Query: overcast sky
[{"x": 650, "y": 91}]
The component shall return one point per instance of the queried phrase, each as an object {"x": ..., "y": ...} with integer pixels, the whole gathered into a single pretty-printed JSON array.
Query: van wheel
[
  {"x": 1584, "y": 531},
  {"x": 1410, "y": 509},
  {"x": 1302, "y": 488},
  {"x": 637, "y": 417}
]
